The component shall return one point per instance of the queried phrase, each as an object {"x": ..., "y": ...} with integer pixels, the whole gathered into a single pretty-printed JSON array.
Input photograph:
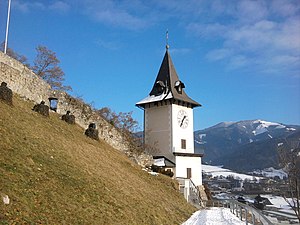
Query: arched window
[{"x": 179, "y": 86}]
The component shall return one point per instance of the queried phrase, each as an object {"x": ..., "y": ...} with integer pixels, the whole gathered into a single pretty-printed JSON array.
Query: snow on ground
[
  {"x": 218, "y": 171},
  {"x": 213, "y": 216},
  {"x": 271, "y": 172},
  {"x": 280, "y": 203}
]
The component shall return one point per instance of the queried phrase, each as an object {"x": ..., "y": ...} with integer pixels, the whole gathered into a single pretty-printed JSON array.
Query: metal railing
[
  {"x": 190, "y": 191},
  {"x": 243, "y": 211}
]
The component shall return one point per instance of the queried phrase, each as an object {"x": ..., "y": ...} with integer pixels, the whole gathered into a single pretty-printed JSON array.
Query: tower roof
[{"x": 167, "y": 85}]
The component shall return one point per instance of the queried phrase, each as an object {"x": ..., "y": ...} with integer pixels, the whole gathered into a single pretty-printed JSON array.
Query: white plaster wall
[
  {"x": 182, "y": 133},
  {"x": 184, "y": 162},
  {"x": 158, "y": 130}
]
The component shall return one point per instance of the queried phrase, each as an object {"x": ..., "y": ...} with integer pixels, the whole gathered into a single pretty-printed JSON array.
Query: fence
[
  {"x": 243, "y": 211},
  {"x": 190, "y": 191}
]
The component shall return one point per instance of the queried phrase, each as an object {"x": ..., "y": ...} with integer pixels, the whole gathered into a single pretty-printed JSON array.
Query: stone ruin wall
[
  {"x": 22, "y": 80},
  {"x": 84, "y": 115},
  {"x": 28, "y": 85}
]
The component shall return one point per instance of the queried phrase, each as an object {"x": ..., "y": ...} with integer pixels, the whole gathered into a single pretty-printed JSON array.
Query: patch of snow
[
  {"x": 277, "y": 201},
  {"x": 222, "y": 196},
  {"x": 271, "y": 172},
  {"x": 153, "y": 98},
  {"x": 250, "y": 140},
  {"x": 280, "y": 144},
  {"x": 153, "y": 173},
  {"x": 202, "y": 136},
  {"x": 200, "y": 142},
  {"x": 260, "y": 129},
  {"x": 212, "y": 216},
  {"x": 216, "y": 171},
  {"x": 290, "y": 129},
  {"x": 280, "y": 126},
  {"x": 267, "y": 124},
  {"x": 159, "y": 162},
  {"x": 270, "y": 136},
  {"x": 263, "y": 125}
]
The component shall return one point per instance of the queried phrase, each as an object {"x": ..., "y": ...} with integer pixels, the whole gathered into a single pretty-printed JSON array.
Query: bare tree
[
  {"x": 289, "y": 153},
  {"x": 126, "y": 124},
  {"x": 120, "y": 120},
  {"x": 46, "y": 65}
]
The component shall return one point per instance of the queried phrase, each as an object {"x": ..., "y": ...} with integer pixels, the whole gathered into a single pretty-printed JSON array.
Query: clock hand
[{"x": 182, "y": 120}]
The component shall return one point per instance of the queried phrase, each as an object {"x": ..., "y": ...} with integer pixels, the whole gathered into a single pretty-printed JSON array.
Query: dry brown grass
[{"x": 53, "y": 174}]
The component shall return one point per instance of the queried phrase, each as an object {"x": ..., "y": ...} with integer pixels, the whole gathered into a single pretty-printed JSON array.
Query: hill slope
[{"x": 53, "y": 174}]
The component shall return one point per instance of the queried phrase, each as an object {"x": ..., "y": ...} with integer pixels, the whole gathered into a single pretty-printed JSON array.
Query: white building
[{"x": 168, "y": 124}]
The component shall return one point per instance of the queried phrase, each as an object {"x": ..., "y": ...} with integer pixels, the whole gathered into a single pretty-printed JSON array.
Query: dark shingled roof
[{"x": 167, "y": 82}]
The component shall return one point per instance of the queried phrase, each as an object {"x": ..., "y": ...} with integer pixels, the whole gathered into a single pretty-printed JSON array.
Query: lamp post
[{"x": 7, "y": 25}]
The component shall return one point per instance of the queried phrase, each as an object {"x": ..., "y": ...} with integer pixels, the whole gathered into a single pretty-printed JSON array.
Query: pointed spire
[{"x": 167, "y": 84}]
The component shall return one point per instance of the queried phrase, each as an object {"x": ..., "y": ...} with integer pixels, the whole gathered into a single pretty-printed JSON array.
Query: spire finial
[{"x": 167, "y": 40}]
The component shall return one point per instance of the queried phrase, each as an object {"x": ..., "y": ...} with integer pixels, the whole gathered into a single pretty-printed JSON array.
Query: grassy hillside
[{"x": 53, "y": 174}]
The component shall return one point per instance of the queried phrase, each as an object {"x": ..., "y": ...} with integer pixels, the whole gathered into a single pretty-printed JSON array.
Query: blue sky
[{"x": 239, "y": 59}]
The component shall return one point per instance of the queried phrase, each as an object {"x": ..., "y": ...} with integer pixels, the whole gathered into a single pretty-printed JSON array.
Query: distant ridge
[{"x": 245, "y": 145}]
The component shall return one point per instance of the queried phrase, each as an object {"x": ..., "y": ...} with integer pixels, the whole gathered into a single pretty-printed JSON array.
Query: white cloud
[
  {"x": 26, "y": 7},
  {"x": 23, "y": 7},
  {"x": 118, "y": 18},
  {"x": 219, "y": 54},
  {"x": 207, "y": 30},
  {"x": 125, "y": 14},
  {"x": 111, "y": 45},
  {"x": 60, "y": 6},
  {"x": 256, "y": 34},
  {"x": 249, "y": 33},
  {"x": 238, "y": 61},
  {"x": 284, "y": 7},
  {"x": 29, "y": 6},
  {"x": 249, "y": 10}
]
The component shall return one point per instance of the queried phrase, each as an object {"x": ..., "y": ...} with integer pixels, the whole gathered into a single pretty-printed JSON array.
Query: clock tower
[{"x": 168, "y": 124}]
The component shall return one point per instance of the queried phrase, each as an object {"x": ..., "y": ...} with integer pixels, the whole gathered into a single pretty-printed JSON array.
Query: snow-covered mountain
[{"x": 244, "y": 145}]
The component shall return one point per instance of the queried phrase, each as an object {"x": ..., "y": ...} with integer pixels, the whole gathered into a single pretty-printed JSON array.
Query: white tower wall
[{"x": 179, "y": 133}]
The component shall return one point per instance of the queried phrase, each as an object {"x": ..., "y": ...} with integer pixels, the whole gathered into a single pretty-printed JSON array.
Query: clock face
[{"x": 183, "y": 119}]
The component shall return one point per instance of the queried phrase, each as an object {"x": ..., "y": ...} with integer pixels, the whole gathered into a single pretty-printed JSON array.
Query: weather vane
[{"x": 167, "y": 40}]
